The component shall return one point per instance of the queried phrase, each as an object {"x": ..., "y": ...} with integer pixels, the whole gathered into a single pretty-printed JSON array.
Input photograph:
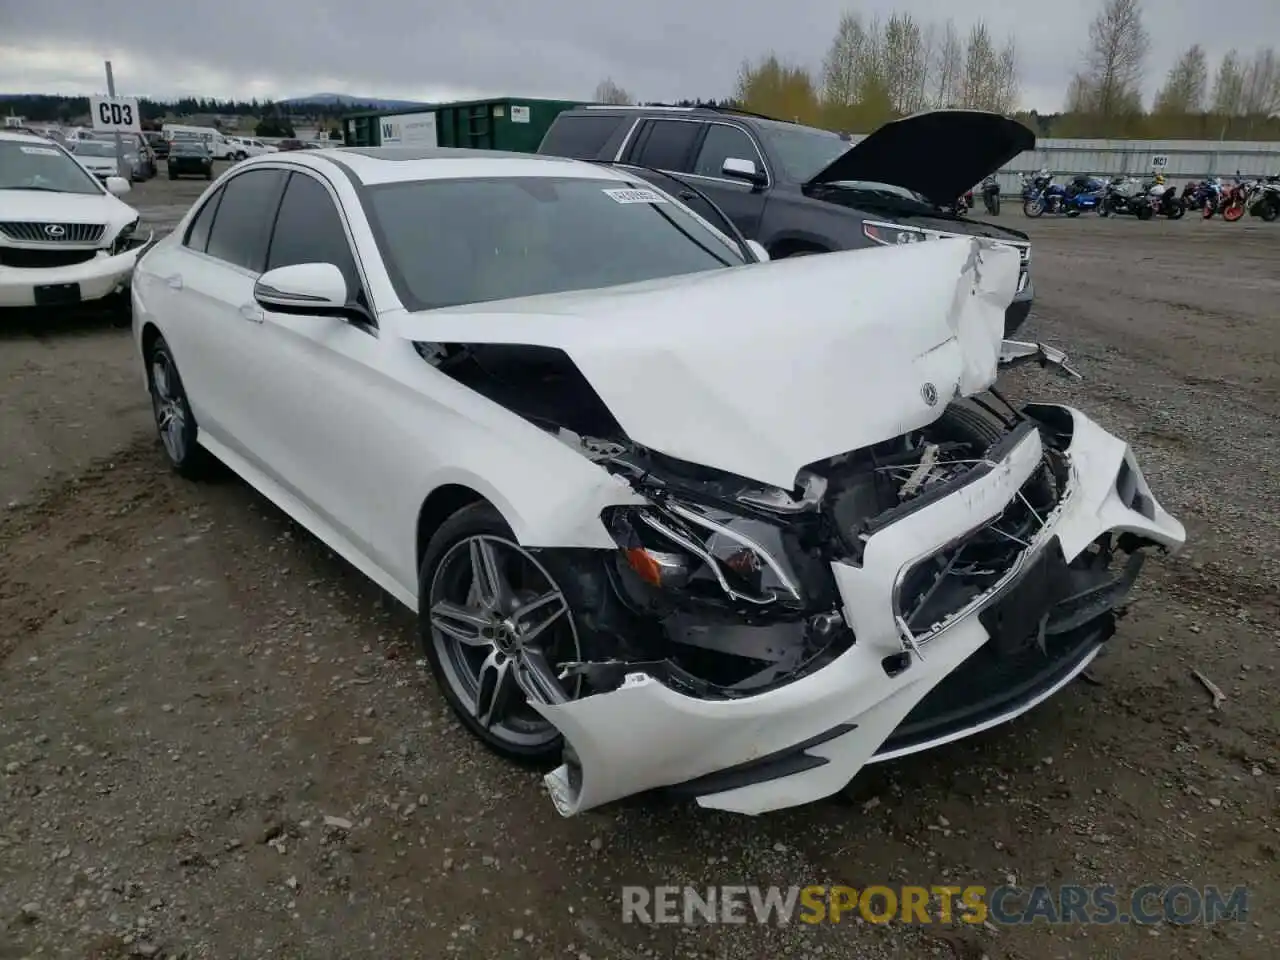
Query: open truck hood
[
  {"x": 939, "y": 154},
  {"x": 764, "y": 369}
]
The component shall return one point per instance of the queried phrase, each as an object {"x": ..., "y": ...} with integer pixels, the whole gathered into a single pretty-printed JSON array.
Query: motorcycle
[
  {"x": 1198, "y": 195},
  {"x": 1041, "y": 195},
  {"x": 1235, "y": 200},
  {"x": 991, "y": 195},
  {"x": 1165, "y": 201},
  {"x": 1264, "y": 199},
  {"x": 1125, "y": 196}
]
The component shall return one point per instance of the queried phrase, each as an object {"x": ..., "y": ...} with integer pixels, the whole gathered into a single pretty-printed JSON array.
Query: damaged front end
[{"x": 770, "y": 643}]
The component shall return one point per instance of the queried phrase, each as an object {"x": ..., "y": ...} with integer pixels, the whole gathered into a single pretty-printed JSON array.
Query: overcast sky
[{"x": 658, "y": 50}]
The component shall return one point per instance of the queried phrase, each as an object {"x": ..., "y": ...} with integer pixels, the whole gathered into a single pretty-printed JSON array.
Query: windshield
[
  {"x": 450, "y": 242},
  {"x": 188, "y": 148},
  {"x": 92, "y": 148},
  {"x": 38, "y": 166},
  {"x": 804, "y": 152}
]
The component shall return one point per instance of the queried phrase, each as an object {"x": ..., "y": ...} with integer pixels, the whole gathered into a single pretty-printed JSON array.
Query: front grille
[
  {"x": 18, "y": 257},
  {"x": 945, "y": 583},
  {"x": 33, "y": 231}
]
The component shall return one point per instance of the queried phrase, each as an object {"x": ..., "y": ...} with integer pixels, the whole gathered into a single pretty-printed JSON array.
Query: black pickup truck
[{"x": 799, "y": 190}]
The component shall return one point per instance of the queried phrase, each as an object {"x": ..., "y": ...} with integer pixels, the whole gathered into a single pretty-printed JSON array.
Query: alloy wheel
[
  {"x": 499, "y": 624},
  {"x": 169, "y": 406}
]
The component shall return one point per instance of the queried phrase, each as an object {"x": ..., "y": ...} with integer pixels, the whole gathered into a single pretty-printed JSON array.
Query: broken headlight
[{"x": 707, "y": 552}]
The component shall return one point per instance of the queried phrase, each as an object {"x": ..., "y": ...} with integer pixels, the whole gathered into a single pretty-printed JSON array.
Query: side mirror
[
  {"x": 740, "y": 169},
  {"x": 116, "y": 186},
  {"x": 758, "y": 249},
  {"x": 302, "y": 288}
]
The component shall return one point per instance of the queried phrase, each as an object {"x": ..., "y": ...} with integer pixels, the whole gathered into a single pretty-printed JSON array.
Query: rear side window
[
  {"x": 309, "y": 230},
  {"x": 579, "y": 137},
  {"x": 198, "y": 234},
  {"x": 668, "y": 144},
  {"x": 243, "y": 224}
]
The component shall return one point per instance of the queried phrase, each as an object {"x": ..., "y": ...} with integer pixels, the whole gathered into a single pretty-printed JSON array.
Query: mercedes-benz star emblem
[
  {"x": 930, "y": 394},
  {"x": 55, "y": 230}
]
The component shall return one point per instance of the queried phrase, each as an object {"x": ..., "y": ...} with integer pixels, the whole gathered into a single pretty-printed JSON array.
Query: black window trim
[
  {"x": 215, "y": 200},
  {"x": 698, "y": 141}
]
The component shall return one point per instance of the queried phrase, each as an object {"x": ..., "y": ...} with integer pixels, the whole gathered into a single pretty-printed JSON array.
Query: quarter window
[
  {"x": 309, "y": 230},
  {"x": 721, "y": 143},
  {"x": 242, "y": 227},
  {"x": 668, "y": 144}
]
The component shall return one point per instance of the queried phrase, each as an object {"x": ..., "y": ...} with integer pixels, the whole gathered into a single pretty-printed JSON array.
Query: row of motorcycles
[{"x": 1125, "y": 195}]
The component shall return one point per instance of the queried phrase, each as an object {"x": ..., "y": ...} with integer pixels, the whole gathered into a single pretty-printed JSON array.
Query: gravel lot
[{"x": 190, "y": 685}]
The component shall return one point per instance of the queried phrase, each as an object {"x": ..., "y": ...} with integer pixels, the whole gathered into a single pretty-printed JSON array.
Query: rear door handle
[
  {"x": 688, "y": 195},
  {"x": 175, "y": 281},
  {"x": 252, "y": 312}
]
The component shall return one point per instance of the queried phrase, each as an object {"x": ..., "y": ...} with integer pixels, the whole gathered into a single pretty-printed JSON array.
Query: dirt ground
[{"x": 190, "y": 685}]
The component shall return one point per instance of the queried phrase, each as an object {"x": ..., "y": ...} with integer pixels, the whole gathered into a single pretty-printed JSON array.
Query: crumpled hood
[
  {"x": 764, "y": 369},
  {"x": 939, "y": 154}
]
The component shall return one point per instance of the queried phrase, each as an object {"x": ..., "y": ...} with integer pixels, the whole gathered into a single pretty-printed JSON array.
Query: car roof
[{"x": 376, "y": 165}]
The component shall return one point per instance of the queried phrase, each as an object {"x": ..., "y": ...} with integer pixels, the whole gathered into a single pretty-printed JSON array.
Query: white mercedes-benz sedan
[{"x": 670, "y": 516}]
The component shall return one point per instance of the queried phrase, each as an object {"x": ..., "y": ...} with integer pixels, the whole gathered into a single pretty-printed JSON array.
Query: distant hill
[{"x": 346, "y": 100}]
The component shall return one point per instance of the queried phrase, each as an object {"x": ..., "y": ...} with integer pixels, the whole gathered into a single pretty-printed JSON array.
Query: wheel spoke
[
  {"x": 485, "y": 575},
  {"x": 536, "y": 678},
  {"x": 493, "y": 693},
  {"x": 537, "y": 615},
  {"x": 465, "y": 626}
]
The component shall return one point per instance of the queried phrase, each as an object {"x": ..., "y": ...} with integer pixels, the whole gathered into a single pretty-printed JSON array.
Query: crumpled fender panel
[{"x": 644, "y": 735}]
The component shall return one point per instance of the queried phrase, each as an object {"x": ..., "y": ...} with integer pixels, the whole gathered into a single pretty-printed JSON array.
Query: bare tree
[
  {"x": 1008, "y": 84},
  {"x": 1118, "y": 44},
  {"x": 1079, "y": 95},
  {"x": 948, "y": 67},
  {"x": 1228, "y": 86},
  {"x": 609, "y": 92},
  {"x": 843, "y": 62},
  {"x": 1184, "y": 88},
  {"x": 978, "y": 82},
  {"x": 906, "y": 63},
  {"x": 1260, "y": 85}
]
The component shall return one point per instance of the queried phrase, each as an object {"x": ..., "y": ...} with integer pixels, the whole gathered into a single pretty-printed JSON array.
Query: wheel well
[
  {"x": 442, "y": 503},
  {"x": 150, "y": 334},
  {"x": 785, "y": 248}
]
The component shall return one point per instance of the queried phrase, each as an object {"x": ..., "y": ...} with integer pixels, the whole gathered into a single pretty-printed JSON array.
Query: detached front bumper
[
  {"x": 806, "y": 740},
  {"x": 91, "y": 280}
]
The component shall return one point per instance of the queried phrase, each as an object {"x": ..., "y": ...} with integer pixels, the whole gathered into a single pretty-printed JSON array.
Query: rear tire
[
  {"x": 175, "y": 423},
  {"x": 1270, "y": 210},
  {"x": 1144, "y": 212}
]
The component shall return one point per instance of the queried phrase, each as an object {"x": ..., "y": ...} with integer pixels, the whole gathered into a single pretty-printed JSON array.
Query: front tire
[
  {"x": 493, "y": 623},
  {"x": 175, "y": 423},
  {"x": 1270, "y": 210},
  {"x": 1033, "y": 208}
]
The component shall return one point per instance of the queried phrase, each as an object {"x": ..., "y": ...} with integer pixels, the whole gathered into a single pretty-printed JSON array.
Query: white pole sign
[{"x": 115, "y": 114}]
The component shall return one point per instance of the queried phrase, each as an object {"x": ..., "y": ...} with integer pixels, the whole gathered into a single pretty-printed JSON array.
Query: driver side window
[
  {"x": 309, "y": 230},
  {"x": 722, "y": 142}
]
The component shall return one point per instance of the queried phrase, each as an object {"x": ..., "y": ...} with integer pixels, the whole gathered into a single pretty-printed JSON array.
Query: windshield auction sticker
[
  {"x": 631, "y": 195},
  {"x": 40, "y": 151}
]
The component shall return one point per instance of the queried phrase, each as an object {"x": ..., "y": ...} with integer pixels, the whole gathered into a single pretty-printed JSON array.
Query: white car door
[
  {"x": 319, "y": 436},
  {"x": 212, "y": 316}
]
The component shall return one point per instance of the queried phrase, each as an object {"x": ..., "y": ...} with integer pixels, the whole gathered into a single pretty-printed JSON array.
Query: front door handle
[
  {"x": 174, "y": 282},
  {"x": 252, "y": 312},
  {"x": 688, "y": 195}
]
